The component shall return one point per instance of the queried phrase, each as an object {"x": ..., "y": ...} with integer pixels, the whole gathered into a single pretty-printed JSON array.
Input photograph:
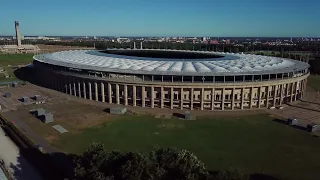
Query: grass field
[
  {"x": 15, "y": 59},
  {"x": 314, "y": 82},
  {"x": 253, "y": 143}
]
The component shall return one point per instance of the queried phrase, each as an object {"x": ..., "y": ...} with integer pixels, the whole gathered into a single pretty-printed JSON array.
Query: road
[{"x": 20, "y": 168}]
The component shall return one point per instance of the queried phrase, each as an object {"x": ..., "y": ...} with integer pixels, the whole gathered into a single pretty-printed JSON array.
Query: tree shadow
[
  {"x": 35, "y": 165},
  {"x": 31, "y": 162},
  {"x": 259, "y": 176}
]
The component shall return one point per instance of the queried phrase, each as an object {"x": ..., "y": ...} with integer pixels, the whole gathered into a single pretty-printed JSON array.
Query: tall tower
[{"x": 18, "y": 34}]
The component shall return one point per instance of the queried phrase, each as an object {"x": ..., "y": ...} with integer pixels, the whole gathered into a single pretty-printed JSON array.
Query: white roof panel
[{"x": 230, "y": 63}]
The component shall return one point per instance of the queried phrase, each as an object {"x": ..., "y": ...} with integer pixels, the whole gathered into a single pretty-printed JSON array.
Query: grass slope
[{"x": 253, "y": 144}]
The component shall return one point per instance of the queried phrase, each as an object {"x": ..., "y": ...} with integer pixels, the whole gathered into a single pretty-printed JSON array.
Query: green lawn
[
  {"x": 314, "y": 82},
  {"x": 253, "y": 143},
  {"x": 15, "y": 59}
]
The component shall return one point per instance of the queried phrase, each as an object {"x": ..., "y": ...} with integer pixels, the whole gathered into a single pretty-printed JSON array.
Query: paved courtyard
[
  {"x": 306, "y": 111},
  {"x": 12, "y": 102}
]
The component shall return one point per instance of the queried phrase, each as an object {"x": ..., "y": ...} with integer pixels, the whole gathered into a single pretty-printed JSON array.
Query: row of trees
[
  {"x": 191, "y": 46},
  {"x": 162, "y": 164}
]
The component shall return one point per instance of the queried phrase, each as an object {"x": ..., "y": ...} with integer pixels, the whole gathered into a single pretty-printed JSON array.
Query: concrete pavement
[{"x": 18, "y": 166}]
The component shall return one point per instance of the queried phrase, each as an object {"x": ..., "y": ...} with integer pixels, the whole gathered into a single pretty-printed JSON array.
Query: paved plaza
[{"x": 306, "y": 110}]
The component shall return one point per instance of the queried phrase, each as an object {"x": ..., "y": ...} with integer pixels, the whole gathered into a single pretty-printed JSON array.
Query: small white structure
[
  {"x": 312, "y": 127},
  {"x": 292, "y": 122},
  {"x": 47, "y": 117},
  {"x": 40, "y": 112},
  {"x": 118, "y": 111}
]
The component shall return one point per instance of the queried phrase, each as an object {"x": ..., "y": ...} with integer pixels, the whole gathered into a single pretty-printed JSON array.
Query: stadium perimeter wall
[{"x": 175, "y": 95}]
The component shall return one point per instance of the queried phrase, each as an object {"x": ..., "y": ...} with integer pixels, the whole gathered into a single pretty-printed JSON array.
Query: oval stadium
[{"x": 174, "y": 79}]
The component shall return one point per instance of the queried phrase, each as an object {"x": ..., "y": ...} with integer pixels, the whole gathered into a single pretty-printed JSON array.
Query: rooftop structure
[{"x": 225, "y": 64}]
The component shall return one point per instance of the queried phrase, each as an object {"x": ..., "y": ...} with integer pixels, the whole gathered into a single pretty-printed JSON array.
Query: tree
[
  {"x": 231, "y": 175},
  {"x": 178, "y": 164},
  {"x": 161, "y": 164}
]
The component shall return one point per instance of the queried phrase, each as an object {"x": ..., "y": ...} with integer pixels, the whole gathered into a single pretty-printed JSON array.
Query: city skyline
[{"x": 245, "y": 18}]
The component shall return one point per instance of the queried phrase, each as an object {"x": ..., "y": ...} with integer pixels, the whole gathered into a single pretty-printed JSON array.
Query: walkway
[
  {"x": 20, "y": 168},
  {"x": 11, "y": 116}
]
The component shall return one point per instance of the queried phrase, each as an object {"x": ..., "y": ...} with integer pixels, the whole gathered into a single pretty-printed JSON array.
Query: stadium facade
[{"x": 174, "y": 79}]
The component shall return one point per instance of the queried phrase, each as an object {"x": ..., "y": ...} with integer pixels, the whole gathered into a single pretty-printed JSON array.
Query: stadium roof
[{"x": 229, "y": 64}]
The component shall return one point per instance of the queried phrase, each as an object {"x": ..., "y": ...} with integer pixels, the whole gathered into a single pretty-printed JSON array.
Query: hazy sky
[{"x": 162, "y": 17}]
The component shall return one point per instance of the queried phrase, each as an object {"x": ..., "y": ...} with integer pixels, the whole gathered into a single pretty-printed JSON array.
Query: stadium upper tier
[{"x": 222, "y": 64}]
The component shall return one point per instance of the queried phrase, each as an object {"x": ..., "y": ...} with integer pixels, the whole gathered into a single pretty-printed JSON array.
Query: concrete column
[
  {"x": 110, "y": 93},
  {"x": 143, "y": 98},
  {"x": 268, "y": 96},
  {"x": 251, "y": 97},
  {"x": 162, "y": 97},
  {"x": 242, "y": 98},
  {"x": 305, "y": 86},
  {"x": 295, "y": 91},
  {"x": 66, "y": 88},
  {"x": 191, "y": 100},
  {"x": 223, "y": 98},
  {"x": 259, "y": 97},
  {"x": 275, "y": 95},
  {"x": 281, "y": 94},
  {"x": 79, "y": 90},
  {"x": 181, "y": 98},
  {"x": 202, "y": 98},
  {"x": 212, "y": 99},
  {"x": 171, "y": 101},
  {"x": 117, "y": 94},
  {"x": 291, "y": 92},
  {"x": 102, "y": 92},
  {"x": 152, "y": 97},
  {"x": 134, "y": 94},
  {"x": 232, "y": 101},
  {"x": 90, "y": 91},
  {"x": 70, "y": 89},
  {"x": 125, "y": 95},
  {"x": 74, "y": 89},
  {"x": 96, "y": 91},
  {"x": 84, "y": 90}
]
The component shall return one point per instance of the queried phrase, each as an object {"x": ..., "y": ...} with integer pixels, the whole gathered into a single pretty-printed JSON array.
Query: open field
[
  {"x": 8, "y": 60},
  {"x": 314, "y": 82},
  {"x": 253, "y": 143},
  {"x": 15, "y": 59}
]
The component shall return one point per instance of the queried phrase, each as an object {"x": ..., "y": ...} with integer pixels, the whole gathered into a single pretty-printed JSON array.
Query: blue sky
[{"x": 162, "y": 17}]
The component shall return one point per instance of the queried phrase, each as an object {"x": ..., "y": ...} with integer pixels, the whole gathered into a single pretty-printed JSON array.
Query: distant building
[
  {"x": 19, "y": 47},
  {"x": 214, "y": 42}
]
